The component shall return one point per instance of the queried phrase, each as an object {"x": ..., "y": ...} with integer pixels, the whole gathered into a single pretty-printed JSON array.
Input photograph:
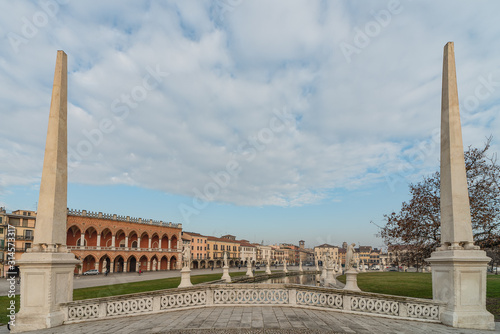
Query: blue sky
[{"x": 270, "y": 120}]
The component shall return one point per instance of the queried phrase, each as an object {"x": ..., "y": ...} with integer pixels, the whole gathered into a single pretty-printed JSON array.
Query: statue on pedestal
[
  {"x": 225, "y": 260},
  {"x": 349, "y": 257},
  {"x": 186, "y": 257}
]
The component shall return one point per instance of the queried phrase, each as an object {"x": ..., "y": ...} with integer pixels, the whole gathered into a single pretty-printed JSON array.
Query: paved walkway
[{"x": 254, "y": 319}]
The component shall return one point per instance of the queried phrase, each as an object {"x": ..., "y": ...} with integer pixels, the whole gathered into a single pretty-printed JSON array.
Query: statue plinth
[
  {"x": 46, "y": 281},
  {"x": 351, "y": 282},
  {"x": 330, "y": 276},
  {"x": 185, "y": 278},
  {"x": 249, "y": 272},
  {"x": 225, "y": 274},
  {"x": 459, "y": 279},
  {"x": 268, "y": 269}
]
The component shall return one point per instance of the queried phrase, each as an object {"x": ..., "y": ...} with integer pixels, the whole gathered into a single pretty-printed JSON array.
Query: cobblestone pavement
[{"x": 254, "y": 319}]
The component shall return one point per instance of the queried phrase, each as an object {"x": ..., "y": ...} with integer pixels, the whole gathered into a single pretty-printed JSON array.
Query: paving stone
[{"x": 254, "y": 320}]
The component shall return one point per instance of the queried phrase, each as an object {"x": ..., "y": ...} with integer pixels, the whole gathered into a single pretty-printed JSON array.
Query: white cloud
[{"x": 354, "y": 123}]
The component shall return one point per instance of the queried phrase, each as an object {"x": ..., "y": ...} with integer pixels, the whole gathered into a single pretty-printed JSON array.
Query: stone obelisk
[
  {"x": 458, "y": 267},
  {"x": 47, "y": 268}
]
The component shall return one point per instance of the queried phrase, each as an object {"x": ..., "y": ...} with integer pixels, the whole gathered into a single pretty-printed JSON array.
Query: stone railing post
[
  {"x": 346, "y": 302},
  {"x": 156, "y": 303},
  {"x": 403, "y": 309},
  {"x": 210, "y": 296},
  {"x": 292, "y": 297},
  {"x": 102, "y": 309}
]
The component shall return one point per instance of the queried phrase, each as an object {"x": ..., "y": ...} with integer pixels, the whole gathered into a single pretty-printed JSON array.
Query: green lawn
[{"x": 419, "y": 285}]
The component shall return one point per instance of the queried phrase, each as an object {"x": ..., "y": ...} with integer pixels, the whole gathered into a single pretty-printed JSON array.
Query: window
[
  {"x": 208, "y": 246},
  {"x": 27, "y": 245},
  {"x": 28, "y": 234},
  {"x": 14, "y": 221},
  {"x": 1, "y": 228},
  {"x": 222, "y": 247}
]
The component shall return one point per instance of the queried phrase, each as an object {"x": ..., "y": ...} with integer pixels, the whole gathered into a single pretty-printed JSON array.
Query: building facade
[
  {"x": 326, "y": 250},
  {"x": 16, "y": 235},
  {"x": 115, "y": 243},
  {"x": 217, "y": 247},
  {"x": 199, "y": 253}
]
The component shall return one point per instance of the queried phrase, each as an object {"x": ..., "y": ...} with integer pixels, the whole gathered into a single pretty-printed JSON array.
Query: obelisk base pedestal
[
  {"x": 185, "y": 278},
  {"x": 351, "y": 281},
  {"x": 46, "y": 281},
  {"x": 225, "y": 274},
  {"x": 459, "y": 279}
]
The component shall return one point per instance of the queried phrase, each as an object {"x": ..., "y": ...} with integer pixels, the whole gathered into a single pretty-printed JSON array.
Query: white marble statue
[
  {"x": 154, "y": 264},
  {"x": 104, "y": 266},
  {"x": 349, "y": 257},
  {"x": 225, "y": 260},
  {"x": 186, "y": 257}
]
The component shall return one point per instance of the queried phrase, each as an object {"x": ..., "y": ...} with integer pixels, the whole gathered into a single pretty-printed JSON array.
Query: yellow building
[
  {"x": 199, "y": 252},
  {"x": 364, "y": 253},
  {"x": 325, "y": 249},
  {"x": 16, "y": 235},
  {"x": 216, "y": 248}
]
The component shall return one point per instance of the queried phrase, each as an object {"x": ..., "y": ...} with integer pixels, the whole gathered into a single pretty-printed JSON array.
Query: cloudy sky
[{"x": 270, "y": 120}]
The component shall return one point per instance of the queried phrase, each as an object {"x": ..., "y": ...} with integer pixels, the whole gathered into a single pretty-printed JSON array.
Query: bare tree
[{"x": 417, "y": 225}]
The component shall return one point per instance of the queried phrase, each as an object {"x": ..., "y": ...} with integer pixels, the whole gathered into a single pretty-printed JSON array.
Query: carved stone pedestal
[
  {"x": 185, "y": 278},
  {"x": 46, "y": 281},
  {"x": 330, "y": 276},
  {"x": 249, "y": 271},
  {"x": 351, "y": 282},
  {"x": 323, "y": 274},
  {"x": 459, "y": 279},
  {"x": 268, "y": 269},
  {"x": 225, "y": 274}
]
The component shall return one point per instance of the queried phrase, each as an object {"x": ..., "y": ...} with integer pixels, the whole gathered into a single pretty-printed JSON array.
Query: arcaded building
[{"x": 121, "y": 243}]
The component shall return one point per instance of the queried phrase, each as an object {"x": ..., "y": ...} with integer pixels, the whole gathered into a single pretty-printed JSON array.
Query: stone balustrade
[
  {"x": 292, "y": 295},
  {"x": 100, "y": 215}
]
